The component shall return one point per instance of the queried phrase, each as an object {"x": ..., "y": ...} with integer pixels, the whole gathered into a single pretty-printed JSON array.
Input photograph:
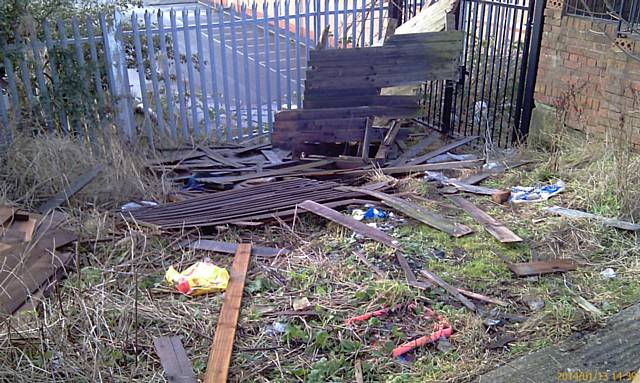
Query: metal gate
[{"x": 494, "y": 96}]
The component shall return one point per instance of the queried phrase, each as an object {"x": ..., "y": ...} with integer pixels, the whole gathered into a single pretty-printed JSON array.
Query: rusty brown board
[
  {"x": 491, "y": 225},
  {"x": 526, "y": 269}
]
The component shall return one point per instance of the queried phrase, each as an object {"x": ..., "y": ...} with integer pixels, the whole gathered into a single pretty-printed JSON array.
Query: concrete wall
[{"x": 588, "y": 72}]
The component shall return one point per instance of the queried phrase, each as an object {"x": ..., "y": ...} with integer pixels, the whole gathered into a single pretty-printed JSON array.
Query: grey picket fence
[{"x": 215, "y": 73}]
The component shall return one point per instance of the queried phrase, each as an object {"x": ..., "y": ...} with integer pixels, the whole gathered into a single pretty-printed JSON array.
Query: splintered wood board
[{"x": 220, "y": 353}]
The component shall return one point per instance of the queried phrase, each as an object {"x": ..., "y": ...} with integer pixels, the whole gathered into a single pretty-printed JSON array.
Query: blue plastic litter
[
  {"x": 193, "y": 184},
  {"x": 521, "y": 194},
  {"x": 373, "y": 213}
]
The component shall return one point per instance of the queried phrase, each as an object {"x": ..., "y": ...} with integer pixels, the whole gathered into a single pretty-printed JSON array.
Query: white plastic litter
[{"x": 608, "y": 273}]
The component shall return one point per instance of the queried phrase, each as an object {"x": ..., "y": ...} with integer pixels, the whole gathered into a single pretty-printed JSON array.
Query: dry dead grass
[{"x": 35, "y": 168}]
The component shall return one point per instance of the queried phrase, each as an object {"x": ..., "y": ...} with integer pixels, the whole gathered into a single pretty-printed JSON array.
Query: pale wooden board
[
  {"x": 220, "y": 353},
  {"x": 177, "y": 366}
]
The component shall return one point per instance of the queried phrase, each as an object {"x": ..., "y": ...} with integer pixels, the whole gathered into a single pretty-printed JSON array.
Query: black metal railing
[
  {"x": 492, "y": 96},
  {"x": 624, "y": 12}
]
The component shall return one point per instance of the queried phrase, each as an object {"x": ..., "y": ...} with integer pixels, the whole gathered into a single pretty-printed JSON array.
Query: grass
[{"x": 99, "y": 323}]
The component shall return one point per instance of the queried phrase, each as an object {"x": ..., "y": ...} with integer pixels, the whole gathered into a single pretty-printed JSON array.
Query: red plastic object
[
  {"x": 442, "y": 328},
  {"x": 367, "y": 316}
]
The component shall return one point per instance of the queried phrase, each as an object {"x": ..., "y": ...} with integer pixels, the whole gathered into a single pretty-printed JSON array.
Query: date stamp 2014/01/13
[{"x": 596, "y": 376}]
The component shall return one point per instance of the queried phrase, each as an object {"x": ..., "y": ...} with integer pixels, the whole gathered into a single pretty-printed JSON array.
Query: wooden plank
[
  {"x": 428, "y": 51},
  {"x": 379, "y": 273},
  {"x": 220, "y": 158},
  {"x": 608, "y": 354},
  {"x": 491, "y": 225},
  {"x": 72, "y": 189},
  {"x": 389, "y": 138},
  {"x": 384, "y": 70},
  {"x": 25, "y": 281},
  {"x": 34, "y": 299},
  {"x": 272, "y": 173},
  {"x": 399, "y": 169},
  {"x": 415, "y": 149},
  {"x": 359, "y": 100},
  {"x": 480, "y": 176},
  {"x": 416, "y": 212},
  {"x": 448, "y": 36},
  {"x": 272, "y": 156},
  {"x": 318, "y": 94},
  {"x": 423, "y": 158},
  {"x": 350, "y": 223},
  {"x": 571, "y": 213},
  {"x": 230, "y": 248},
  {"x": 551, "y": 266},
  {"x": 173, "y": 357},
  {"x": 292, "y": 128},
  {"x": 222, "y": 347},
  {"x": 448, "y": 288},
  {"x": 366, "y": 140},
  {"x": 27, "y": 228},
  {"x": 22, "y": 257},
  {"x": 338, "y": 113},
  {"x": 445, "y": 72}
]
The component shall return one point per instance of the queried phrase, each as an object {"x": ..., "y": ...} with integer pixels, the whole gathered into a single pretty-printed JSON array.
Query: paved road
[{"x": 233, "y": 67}]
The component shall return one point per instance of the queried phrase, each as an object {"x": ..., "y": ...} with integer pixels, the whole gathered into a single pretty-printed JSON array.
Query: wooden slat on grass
[
  {"x": 491, "y": 225},
  {"x": 177, "y": 366},
  {"x": 220, "y": 353},
  {"x": 350, "y": 223}
]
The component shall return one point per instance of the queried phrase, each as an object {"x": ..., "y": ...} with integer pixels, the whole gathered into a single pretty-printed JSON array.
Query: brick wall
[{"x": 589, "y": 73}]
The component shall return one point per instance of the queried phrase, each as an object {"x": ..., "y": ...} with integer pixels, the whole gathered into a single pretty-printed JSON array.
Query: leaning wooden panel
[{"x": 220, "y": 354}]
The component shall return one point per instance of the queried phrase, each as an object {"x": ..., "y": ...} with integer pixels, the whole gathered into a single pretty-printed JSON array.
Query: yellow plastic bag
[{"x": 199, "y": 278}]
